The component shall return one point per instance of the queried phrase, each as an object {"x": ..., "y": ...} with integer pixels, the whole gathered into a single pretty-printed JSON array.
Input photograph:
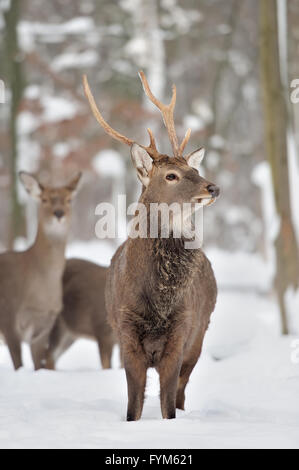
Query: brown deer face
[
  {"x": 54, "y": 203},
  {"x": 173, "y": 179}
]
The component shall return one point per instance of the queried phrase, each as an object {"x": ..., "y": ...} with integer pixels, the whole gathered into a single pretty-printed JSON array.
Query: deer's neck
[
  {"x": 171, "y": 260},
  {"x": 49, "y": 248},
  {"x": 170, "y": 267}
]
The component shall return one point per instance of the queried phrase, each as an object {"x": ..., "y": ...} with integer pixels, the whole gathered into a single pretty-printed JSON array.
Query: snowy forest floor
[{"x": 243, "y": 393}]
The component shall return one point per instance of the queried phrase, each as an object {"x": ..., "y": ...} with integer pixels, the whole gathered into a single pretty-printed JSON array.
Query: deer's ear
[
  {"x": 73, "y": 184},
  {"x": 31, "y": 184},
  {"x": 142, "y": 162},
  {"x": 195, "y": 158}
]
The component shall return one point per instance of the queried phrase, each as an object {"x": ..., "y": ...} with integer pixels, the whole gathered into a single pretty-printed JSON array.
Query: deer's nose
[
  {"x": 58, "y": 213},
  {"x": 213, "y": 190}
]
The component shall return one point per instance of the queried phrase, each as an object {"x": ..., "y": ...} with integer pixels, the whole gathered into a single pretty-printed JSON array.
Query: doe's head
[{"x": 54, "y": 202}]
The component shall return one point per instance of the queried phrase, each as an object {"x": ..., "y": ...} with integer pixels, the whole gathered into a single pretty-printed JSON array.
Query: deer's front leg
[
  {"x": 135, "y": 367},
  {"x": 169, "y": 369},
  {"x": 40, "y": 341}
]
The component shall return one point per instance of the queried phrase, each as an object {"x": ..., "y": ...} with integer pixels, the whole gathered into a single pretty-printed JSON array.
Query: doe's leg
[
  {"x": 105, "y": 346},
  {"x": 39, "y": 350},
  {"x": 60, "y": 340},
  {"x": 14, "y": 346}
]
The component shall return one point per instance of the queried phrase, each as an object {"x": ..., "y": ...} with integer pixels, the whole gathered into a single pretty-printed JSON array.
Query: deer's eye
[
  {"x": 171, "y": 177},
  {"x": 44, "y": 201}
]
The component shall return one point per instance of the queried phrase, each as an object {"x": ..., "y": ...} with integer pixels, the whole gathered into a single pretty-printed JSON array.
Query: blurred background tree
[
  {"x": 276, "y": 136},
  {"x": 13, "y": 77}
]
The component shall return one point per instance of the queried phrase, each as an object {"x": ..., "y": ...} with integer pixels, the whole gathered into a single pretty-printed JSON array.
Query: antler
[
  {"x": 151, "y": 149},
  {"x": 110, "y": 131},
  {"x": 167, "y": 113},
  {"x": 185, "y": 141},
  {"x": 152, "y": 139}
]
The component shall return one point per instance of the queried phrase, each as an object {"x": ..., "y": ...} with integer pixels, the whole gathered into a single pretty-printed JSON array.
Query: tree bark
[
  {"x": 15, "y": 83},
  {"x": 276, "y": 125}
]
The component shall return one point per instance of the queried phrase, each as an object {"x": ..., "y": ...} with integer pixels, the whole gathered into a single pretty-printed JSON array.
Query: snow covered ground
[{"x": 243, "y": 392}]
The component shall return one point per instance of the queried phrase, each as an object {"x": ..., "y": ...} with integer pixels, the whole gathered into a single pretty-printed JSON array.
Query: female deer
[{"x": 31, "y": 281}]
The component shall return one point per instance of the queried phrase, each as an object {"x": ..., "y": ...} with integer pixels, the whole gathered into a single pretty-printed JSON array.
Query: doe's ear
[
  {"x": 195, "y": 158},
  {"x": 72, "y": 186},
  {"x": 31, "y": 184},
  {"x": 142, "y": 162}
]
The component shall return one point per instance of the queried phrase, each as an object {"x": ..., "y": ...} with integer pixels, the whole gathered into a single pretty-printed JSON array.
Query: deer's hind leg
[
  {"x": 60, "y": 340},
  {"x": 188, "y": 365}
]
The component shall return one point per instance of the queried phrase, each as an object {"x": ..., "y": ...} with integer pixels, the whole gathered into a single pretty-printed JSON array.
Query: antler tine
[
  {"x": 108, "y": 129},
  {"x": 173, "y": 98},
  {"x": 152, "y": 139},
  {"x": 184, "y": 141},
  {"x": 166, "y": 110}
]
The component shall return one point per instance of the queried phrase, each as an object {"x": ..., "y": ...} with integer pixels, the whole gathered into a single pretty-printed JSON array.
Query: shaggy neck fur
[{"x": 172, "y": 268}]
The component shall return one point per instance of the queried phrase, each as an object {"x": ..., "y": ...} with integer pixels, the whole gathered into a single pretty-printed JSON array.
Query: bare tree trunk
[
  {"x": 275, "y": 112},
  {"x": 14, "y": 81},
  {"x": 146, "y": 27},
  {"x": 293, "y": 9},
  {"x": 146, "y": 22}
]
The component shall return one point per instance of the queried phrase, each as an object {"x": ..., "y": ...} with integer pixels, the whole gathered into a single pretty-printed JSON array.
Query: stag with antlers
[{"x": 160, "y": 295}]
